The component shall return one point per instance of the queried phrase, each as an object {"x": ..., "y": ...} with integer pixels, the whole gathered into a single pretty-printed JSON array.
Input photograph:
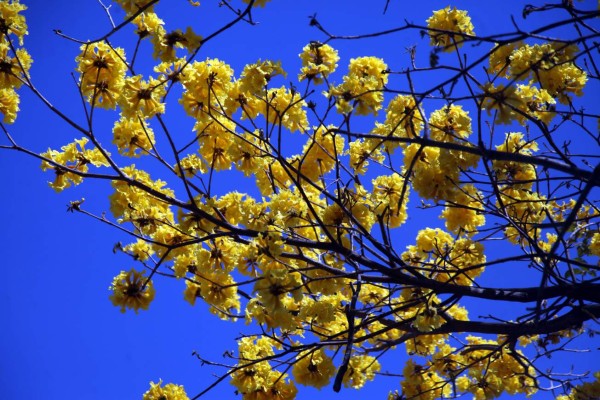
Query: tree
[{"x": 487, "y": 132}]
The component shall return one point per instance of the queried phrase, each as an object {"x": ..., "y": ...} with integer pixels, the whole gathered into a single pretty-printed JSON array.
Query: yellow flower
[
  {"x": 191, "y": 165},
  {"x": 402, "y": 120},
  {"x": 256, "y": 76},
  {"x": 132, "y": 135},
  {"x": 361, "y": 368},
  {"x": 11, "y": 20},
  {"x": 285, "y": 107},
  {"x": 318, "y": 61},
  {"x": 142, "y": 99},
  {"x": 170, "y": 391},
  {"x": 390, "y": 198},
  {"x": 313, "y": 368},
  {"x": 74, "y": 157},
  {"x": 503, "y": 99},
  {"x": 132, "y": 290},
  {"x": 321, "y": 153},
  {"x": 165, "y": 44},
  {"x": 449, "y": 20},
  {"x": 595, "y": 245},
  {"x": 465, "y": 213},
  {"x": 500, "y": 59},
  {"x": 102, "y": 70},
  {"x": 450, "y": 123},
  {"x": 99, "y": 62},
  {"x": 140, "y": 250},
  {"x": 361, "y": 152},
  {"x": 362, "y": 87},
  {"x": 13, "y": 69},
  {"x": 423, "y": 383},
  {"x": 524, "y": 175},
  {"x": 435, "y": 171},
  {"x": 9, "y": 105},
  {"x": 148, "y": 23}
]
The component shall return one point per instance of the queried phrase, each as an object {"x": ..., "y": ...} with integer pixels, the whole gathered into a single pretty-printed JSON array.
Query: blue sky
[{"x": 62, "y": 338}]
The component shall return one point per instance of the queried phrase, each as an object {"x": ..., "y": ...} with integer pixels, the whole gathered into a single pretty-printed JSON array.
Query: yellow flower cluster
[
  {"x": 165, "y": 43},
  {"x": 71, "y": 163},
  {"x": 450, "y": 124},
  {"x": 133, "y": 137},
  {"x": 448, "y": 27},
  {"x": 520, "y": 103},
  {"x": 390, "y": 197},
  {"x": 320, "y": 153},
  {"x": 442, "y": 258},
  {"x": 132, "y": 290},
  {"x": 133, "y": 6},
  {"x": 402, "y": 120},
  {"x": 494, "y": 369},
  {"x": 14, "y": 62},
  {"x": 362, "y": 89},
  {"x": 486, "y": 369},
  {"x": 313, "y": 368},
  {"x": 512, "y": 173},
  {"x": 465, "y": 213},
  {"x": 11, "y": 22},
  {"x": 423, "y": 383},
  {"x": 102, "y": 70},
  {"x": 435, "y": 171},
  {"x": 585, "y": 391},
  {"x": 255, "y": 378},
  {"x": 150, "y": 213},
  {"x": 361, "y": 368},
  {"x": 318, "y": 61},
  {"x": 170, "y": 391},
  {"x": 361, "y": 152},
  {"x": 595, "y": 244},
  {"x": 285, "y": 107},
  {"x": 551, "y": 65},
  {"x": 140, "y": 98}
]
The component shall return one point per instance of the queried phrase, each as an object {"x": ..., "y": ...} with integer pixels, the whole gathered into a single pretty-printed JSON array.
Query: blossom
[
  {"x": 132, "y": 290},
  {"x": 9, "y": 105},
  {"x": 318, "y": 61},
  {"x": 165, "y": 44},
  {"x": 449, "y": 20},
  {"x": 465, "y": 213},
  {"x": 11, "y": 21},
  {"x": 361, "y": 368},
  {"x": 363, "y": 85},
  {"x": 390, "y": 197},
  {"x": 73, "y": 161},
  {"x": 450, "y": 124},
  {"x": 313, "y": 368},
  {"x": 102, "y": 70},
  {"x": 13, "y": 69},
  {"x": 170, "y": 391},
  {"x": 133, "y": 135},
  {"x": 142, "y": 98}
]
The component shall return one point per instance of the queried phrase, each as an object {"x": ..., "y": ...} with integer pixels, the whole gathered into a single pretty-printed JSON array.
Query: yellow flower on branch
[
  {"x": 318, "y": 61},
  {"x": 11, "y": 21},
  {"x": 313, "y": 368},
  {"x": 451, "y": 23},
  {"x": 142, "y": 98},
  {"x": 132, "y": 290},
  {"x": 170, "y": 391}
]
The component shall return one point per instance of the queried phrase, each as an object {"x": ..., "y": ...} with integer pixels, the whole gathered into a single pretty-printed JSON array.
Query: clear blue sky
[{"x": 61, "y": 336}]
